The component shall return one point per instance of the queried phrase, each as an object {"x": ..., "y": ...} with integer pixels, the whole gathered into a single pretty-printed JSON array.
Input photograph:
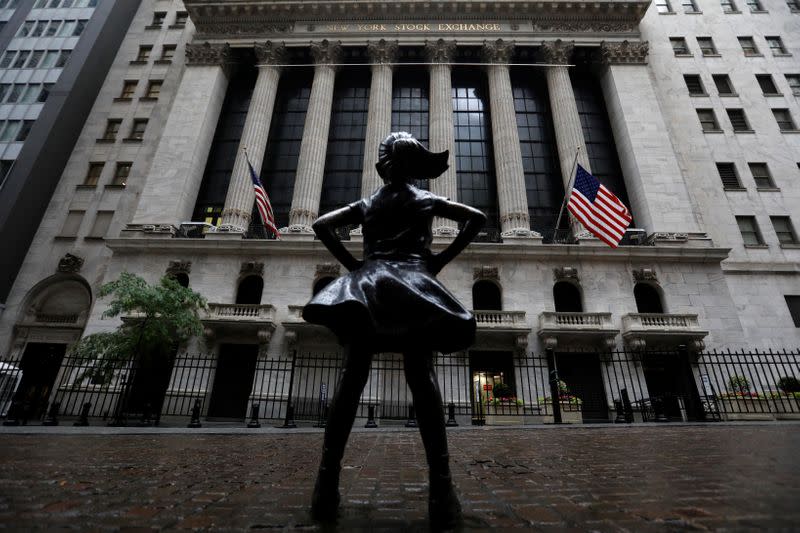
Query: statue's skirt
[{"x": 393, "y": 306}]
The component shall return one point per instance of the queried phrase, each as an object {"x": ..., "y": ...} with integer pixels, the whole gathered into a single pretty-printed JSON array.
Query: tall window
[
  {"x": 474, "y": 157},
  {"x": 708, "y": 121},
  {"x": 749, "y": 230},
  {"x": 221, "y": 157},
  {"x": 784, "y": 119},
  {"x": 543, "y": 184},
  {"x": 748, "y": 46},
  {"x": 723, "y": 85},
  {"x": 694, "y": 84},
  {"x": 738, "y": 120},
  {"x": 794, "y": 83},
  {"x": 784, "y": 229},
  {"x": 776, "y": 45},
  {"x": 344, "y": 161},
  {"x": 727, "y": 173},
  {"x": 761, "y": 175},
  {"x": 679, "y": 46},
  {"x": 486, "y": 296},
  {"x": 648, "y": 299},
  {"x": 597, "y": 132},
  {"x": 767, "y": 85},
  {"x": 250, "y": 289},
  {"x": 706, "y": 45},
  {"x": 410, "y": 106},
  {"x": 286, "y": 134},
  {"x": 567, "y": 298}
]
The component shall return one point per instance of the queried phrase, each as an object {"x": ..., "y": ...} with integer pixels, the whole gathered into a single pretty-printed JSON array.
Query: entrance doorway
[
  {"x": 236, "y": 368},
  {"x": 39, "y": 365},
  {"x": 489, "y": 371},
  {"x": 665, "y": 383},
  {"x": 582, "y": 374},
  {"x": 150, "y": 384}
]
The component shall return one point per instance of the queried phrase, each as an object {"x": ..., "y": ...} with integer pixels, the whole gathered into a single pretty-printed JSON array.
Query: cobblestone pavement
[{"x": 655, "y": 478}]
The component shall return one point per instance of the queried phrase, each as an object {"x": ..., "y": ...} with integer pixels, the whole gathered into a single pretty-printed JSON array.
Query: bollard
[
  {"x": 194, "y": 422},
  {"x": 658, "y": 409},
  {"x": 145, "y": 421},
  {"x": 626, "y": 406},
  {"x": 412, "y": 417},
  {"x": 83, "y": 418},
  {"x": 288, "y": 422},
  {"x": 254, "y": 423},
  {"x": 620, "y": 418},
  {"x": 12, "y": 417},
  {"x": 323, "y": 417},
  {"x": 451, "y": 415},
  {"x": 52, "y": 415},
  {"x": 371, "y": 417}
]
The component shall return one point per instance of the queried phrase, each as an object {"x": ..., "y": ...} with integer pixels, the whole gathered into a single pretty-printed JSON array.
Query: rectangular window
[
  {"x": 663, "y": 6},
  {"x": 768, "y": 86},
  {"x": 121, "y": 174},
  {"x": 49, "y": 60},
  {"x": 776, "y": 45},
  {"x": 738, "y": 120},
  {"x": 30, "y": 94},
  {"x": 784, "y": 119},
  {"x": 112, "y": 129},
  {"x": 22, "y": 57},
  {"x": 137, "y": 130},
  {"x": 9, "y": 132},
  {"x": 794, "y": 5},
  {"x": 694, "y": 84},
  {"x": 36, "y": 58},
  {"x": 728, "y": 6},
  {"x": 749, "y": 229},
  {"x": 679, "y": 46},
  {"x": 67, "y": 28},
  {"x": 102, "y": 221},
  {"x": 707, "y": 47},
  {"x": 754, "y": 5},
  {"x": 5, "y": 61},
  {"x": 761, "y": 175},
  {"x": 708, "y": 121},
  {"x": 79, "y": 27},
  {"x": 93, "y": 175},
  {"x": 22, "y": 135},
  {"x": 154, "y": 89},
  {"x": 4, "y": 88},
  {"x": 723, "y": 84},
  {"x": 784, "y": 230},
  {"x": 45, "y": 92},
  {"x": 144, "y": 53},
  {"x": 727, "y": 173},
  {"x": 39, "y": 4},
  {"x": 689, "y": 6},
  {"x": 181, "y": 17},
  {"x": 158, "y": 19},
  {"x": 794, "y": 83},
  {"x": 72, "y": 224},
  {"x": 167, "y": 52},
  {"x": 52, "y": 28},
  {"x": 128, "y": 88},
  {"x": 63, "y": 56},
  {"x": 748, "y": 46},
  {"x": 793, "y": 303},
  {"x": 26, "y": 28},
  {"x": 16, "y": 92},
  {"x": 38, "y": 30}
]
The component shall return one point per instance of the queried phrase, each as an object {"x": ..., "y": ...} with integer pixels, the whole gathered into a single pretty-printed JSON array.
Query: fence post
[
  {"x": 412, "y": 417},
  {"x": 451, "y": 415},
  {"x": 554, "y": 392},
  {"x": 194, "y": 422},
  {"x": 254, "y": 409},
  {"x": 370, "y": 417},
  {"x": 288, "y": 422},
  {"x": 12, "y": 417},
  {"x": 694, "y": 407},
  {"x": 83, "y": 419},
  {"x": 52, "y": 415}
]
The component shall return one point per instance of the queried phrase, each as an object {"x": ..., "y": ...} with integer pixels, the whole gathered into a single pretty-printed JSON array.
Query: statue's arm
[
  {"x": 473, "y": 220},
  {"x": 325, "y": 228}
]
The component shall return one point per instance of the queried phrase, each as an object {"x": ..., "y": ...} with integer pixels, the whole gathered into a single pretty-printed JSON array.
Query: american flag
[
  {"x": 598, "y": 209},
  {"x": 262, "y": 201}
]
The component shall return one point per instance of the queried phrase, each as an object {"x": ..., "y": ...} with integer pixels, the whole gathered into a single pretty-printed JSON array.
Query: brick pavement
[{"x": 655, "y": 478}]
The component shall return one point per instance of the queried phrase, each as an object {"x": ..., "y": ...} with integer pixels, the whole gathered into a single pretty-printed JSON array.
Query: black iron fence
[{"x": 298, "y": 388}]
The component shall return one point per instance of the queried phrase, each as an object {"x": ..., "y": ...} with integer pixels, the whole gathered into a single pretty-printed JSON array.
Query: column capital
[
  {"x": 624, "y": 53},
  {"x": 498, "y": 51},
  {"x": 269, "y": 53},
  {"x": 440, "y": 51},
  {"x": 208, "y": 55},
  {"x": 326, "y": 52},
  {"x": 382, "y": 51},
  {"x": 557, "y": 52}
]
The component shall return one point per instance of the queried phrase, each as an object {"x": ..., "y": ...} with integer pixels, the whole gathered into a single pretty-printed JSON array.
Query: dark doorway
[
  {"x": 150, "y": 384},
  {"x": 666, "y": 384},
  {"x": 567, "y": 298},
  {"x": 487, "y": 370},
  {"x": 648, "y": 300},
  {"x": 582, "y": 374},
  {"x": 250, "y": 289},
  {"x": 233, "y": 381},
  {"x": 486, "y": 296},
  {"x": 39, "y": 365}
]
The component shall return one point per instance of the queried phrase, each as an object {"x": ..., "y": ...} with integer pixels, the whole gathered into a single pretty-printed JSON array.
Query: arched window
[
  {"x": 249, "y": 291},
  {"x": 648, "y": 299},
  {"x": 486, "y": 296},
  {"x": 320, "y": 284},
  {"x": 182, "y": 278},
  {"x": 567, "y": 297}
]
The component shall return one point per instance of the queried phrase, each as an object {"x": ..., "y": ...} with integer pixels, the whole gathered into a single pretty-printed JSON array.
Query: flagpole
[{"x": 569, "y": 188}]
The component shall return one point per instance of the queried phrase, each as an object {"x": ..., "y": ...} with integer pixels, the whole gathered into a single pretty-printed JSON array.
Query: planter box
[
  {"x": 786, "y": 407},
  {"x": 746, "y": 408},
  {"x": 571, "y": 413}
]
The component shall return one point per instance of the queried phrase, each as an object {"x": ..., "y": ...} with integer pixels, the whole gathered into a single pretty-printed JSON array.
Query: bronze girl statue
[{"x": 392, "y": 302}]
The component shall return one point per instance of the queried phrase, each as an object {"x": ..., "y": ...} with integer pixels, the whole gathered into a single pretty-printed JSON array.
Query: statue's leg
[
  {"x": 443, "y": 507},
  {"x": 325, "y": 500}
]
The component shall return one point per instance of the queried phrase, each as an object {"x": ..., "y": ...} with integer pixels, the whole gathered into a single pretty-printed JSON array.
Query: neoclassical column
[
  {"x": 240, "y": 199},
  {"x": 658, "y": 193},
  {"x": 511, "y": 192},
  {"x": 566, "y": 121},
  {"x": 441, "y": 134},
  {"x": 379, "y": 118},
  {"x": 170, "y": 191},
  {"x": 311, "y": 164}
]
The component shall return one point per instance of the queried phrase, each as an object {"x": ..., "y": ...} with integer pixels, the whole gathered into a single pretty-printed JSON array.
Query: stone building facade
[{"x": 688, "y": 112}]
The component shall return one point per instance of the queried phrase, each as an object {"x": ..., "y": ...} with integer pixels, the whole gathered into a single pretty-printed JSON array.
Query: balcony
[
  {"x": 657, "y": 330},
  {"x": 297, "y": 329},
  {"x": 249, "y": 320},
  {"x": 577, "y": 330},
  {"x": 501, "y": 329}
]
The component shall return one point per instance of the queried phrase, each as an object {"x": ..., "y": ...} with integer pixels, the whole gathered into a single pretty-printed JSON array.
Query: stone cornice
[
  {"x": 498, "y": 51},
  {"x": 215, "y": 19},
  {"x": 439, "y": 51},
  {"x": 382, "y": 51},
  {"x": 624, "y": 53},
  {"x": 269, "y": 53},
  {"x": 206, "y": 54}
]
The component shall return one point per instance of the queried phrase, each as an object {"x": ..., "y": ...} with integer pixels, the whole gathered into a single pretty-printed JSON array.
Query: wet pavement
[{"x": 614, "y": 478}]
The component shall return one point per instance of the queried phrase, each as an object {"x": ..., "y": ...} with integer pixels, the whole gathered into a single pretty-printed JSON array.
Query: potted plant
[{"x": 786, "y": 401}]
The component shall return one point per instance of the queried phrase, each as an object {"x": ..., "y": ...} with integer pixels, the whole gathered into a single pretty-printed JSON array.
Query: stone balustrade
[
  {"x": 489, "y": 319},
  {"x": 577, "y": 330},
  {"x": 217, "y": 311},
  {"x": 650, "y": 330}
]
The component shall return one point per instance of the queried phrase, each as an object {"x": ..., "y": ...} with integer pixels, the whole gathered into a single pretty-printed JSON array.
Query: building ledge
[
  {"x": 577, "y": 330},
  {"x": 240, "y": 320},
  {"x": 662, "y": 330}
]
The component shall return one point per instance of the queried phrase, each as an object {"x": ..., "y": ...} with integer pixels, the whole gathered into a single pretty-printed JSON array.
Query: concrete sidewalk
[{"x": 617, "y": 478}]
